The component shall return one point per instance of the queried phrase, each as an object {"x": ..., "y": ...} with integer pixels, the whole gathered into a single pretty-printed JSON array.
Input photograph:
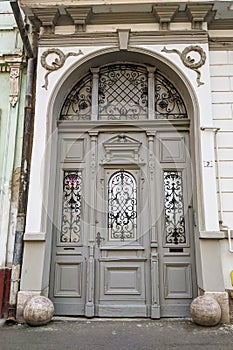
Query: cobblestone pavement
[{"x": 116, "y": 334}]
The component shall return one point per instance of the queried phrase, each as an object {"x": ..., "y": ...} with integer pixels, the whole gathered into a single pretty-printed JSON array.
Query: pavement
[{"x": 64, "y": 333}]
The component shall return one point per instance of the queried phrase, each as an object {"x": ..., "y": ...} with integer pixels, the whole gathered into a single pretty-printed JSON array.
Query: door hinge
[
  {"x": 99, "y": 238},
  {"x": 194, "y": 218}
]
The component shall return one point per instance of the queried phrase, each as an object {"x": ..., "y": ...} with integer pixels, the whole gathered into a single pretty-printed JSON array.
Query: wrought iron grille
[
  {"x": 168, "y": 102},
  {"x": 77, "y": 105},
  {"x": 123, "y": 92},
  {"x": 122, "y": 206},
  {"x": 71, "y": 207},
  {"x": 174, "y": 208}
]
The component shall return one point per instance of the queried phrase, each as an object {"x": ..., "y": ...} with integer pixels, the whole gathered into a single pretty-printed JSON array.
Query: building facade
[
  {"x": 12, "y": 83},
  {"x": 130, "y": 204}
]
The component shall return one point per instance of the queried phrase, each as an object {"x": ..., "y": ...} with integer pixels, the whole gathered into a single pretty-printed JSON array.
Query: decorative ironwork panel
[
  {"x": 71, "y": 207},
  {"x": 123, "y": 92},
  {"x": 122, "y": 206},
  {"x": 168, "y": 102},
  {"x": 77, "y": 105},
  {"x": 174, "y": 208}
]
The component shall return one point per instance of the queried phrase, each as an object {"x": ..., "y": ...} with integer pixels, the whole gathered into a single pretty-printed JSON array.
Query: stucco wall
[{"x": 221, "y": 72}]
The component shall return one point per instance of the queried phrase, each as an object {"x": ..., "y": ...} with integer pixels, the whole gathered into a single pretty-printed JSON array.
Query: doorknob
[{"x": 99, "y": 238}]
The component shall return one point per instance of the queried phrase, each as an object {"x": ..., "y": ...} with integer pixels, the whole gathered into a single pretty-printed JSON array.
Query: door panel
[
  {"x": 123, "y": 238},
  {"x": 175, "y": 241},
  {"x": 122, "y": 257},
  {"x": 69, "y": 257},
  {"x": 68, "y": 281},
  {"x": 177, "y": 281}
]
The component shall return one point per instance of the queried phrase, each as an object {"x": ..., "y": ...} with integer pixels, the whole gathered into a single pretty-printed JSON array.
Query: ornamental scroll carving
[
  {"x": 56, "y": 63},
  {"x": 189, "y": 62},
  {"x": 14, "y": 85}
]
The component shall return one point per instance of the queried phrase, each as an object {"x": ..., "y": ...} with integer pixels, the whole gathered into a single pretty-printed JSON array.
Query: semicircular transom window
[
  {"x": 77, "y": 105},
  {"x": 123, "y": 92}
]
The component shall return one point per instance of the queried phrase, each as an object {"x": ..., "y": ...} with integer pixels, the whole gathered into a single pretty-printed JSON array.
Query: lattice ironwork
[
  {"x": 71, "y": 207},
  {"x": 174, "y": 208},
  {"x": 77, "y": 105},
  {"x": 168, "y": 102},
  {"x": 123, "y": 92},
  {"x": 122, "y": 206}
]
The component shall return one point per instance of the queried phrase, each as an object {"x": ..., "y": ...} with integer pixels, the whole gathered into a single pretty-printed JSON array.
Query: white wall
[{"x": 221, "y": 73}]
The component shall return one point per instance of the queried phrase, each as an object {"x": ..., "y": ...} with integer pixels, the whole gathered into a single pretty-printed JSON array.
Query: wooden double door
[{"x": 123, "y": 235}]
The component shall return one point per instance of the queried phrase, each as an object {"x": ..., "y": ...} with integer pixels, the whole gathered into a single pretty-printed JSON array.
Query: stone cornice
[
  {"x": 200, "y": 15},
  {"x": 80, "y": 17},
  {"x": 221, "y": 44},
  {"x": 165, "y": 14},
  {"x": 135, "y": 38},
  {"x": 11, "y": 59}
]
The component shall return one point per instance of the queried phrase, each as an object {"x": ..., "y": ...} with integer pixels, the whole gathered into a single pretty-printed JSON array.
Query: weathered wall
[{"x": 12, "y": 84}]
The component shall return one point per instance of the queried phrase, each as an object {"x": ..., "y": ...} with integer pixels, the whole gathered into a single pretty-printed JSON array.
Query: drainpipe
[
  {"x": 216, "y": 130},
  {"x": 23, "y": 32},
  {"x": 229, "y": 239},
  {"x": 25, "y": 162},
  {"x": 218, "y": 176},
  {"x": 220, "y": 193}
]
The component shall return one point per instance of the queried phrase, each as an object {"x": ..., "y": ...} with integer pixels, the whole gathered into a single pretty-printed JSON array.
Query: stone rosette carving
[
  {"x": 188, "y": 61},
  {"x": 56, "y": 62}
]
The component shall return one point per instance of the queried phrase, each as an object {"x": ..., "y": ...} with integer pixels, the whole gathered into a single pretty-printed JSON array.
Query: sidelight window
[
  {"x": 174, "y": 208},
  {"x": 71, "y": 207}
]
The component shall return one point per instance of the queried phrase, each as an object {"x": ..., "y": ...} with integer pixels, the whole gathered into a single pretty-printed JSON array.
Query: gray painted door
[
  {"x": 123, "y": 254},
  {"x": 122, "y": 233}
]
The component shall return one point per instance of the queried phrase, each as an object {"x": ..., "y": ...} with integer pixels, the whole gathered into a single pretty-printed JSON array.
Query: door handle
[{"x": 99, "y": 238}]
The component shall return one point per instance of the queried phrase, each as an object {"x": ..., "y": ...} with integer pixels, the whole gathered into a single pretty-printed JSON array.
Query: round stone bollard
[
  {"x": 205, "y": 311},
  {"x": 38, "y": 311}
]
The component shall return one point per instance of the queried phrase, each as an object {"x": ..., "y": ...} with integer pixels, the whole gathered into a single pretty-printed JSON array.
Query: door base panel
[
  {"x": 68, "y": 309},
  {"x": 122, "y": 311},
  {"x": 175, "y": 311}
]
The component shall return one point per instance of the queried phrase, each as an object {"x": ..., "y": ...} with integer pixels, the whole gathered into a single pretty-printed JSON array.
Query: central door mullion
[
  {"x": 90, "y": 291},
  {"x": 151, "y": 92},
  {"x": 95, "y": 94}
]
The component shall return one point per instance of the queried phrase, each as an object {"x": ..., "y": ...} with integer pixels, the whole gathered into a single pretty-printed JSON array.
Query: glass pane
[
  {"x": 174, "y": 208},
  {"x": 168, "y": 102},
  {"x": 122, "y": 207},
  {"x": 71, "y": 207},
  {"x": 77, "y": 105},
  {"x": 123, "y": 92}
]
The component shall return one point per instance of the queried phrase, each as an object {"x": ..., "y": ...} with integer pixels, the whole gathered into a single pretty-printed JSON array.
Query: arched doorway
[{"x": 123, "y": 230}]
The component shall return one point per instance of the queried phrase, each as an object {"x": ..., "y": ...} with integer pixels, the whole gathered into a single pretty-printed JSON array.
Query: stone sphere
[
  {"x": 38, "y": 311},
  {"x": 205, "y": 311}
]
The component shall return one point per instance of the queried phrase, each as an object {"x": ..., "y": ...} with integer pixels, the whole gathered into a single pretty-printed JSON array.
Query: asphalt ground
[{"x": 116, "y": 334}]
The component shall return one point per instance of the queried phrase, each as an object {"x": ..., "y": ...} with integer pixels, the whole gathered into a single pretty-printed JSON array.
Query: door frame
[
  {"x": 114, "y": 128},
  {"x": 40, "y": 206}
]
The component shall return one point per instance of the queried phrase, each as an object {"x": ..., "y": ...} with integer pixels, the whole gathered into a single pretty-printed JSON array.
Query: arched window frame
[{"x": 157, "y": 94}]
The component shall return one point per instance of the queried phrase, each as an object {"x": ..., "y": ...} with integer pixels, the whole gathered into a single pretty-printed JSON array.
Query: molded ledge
[
  {"x": 212, "y": 235},
  {"x": 35, "y": 236}
]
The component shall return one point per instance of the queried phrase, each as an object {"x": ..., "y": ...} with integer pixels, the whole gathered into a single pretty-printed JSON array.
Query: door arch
[{"x": 93, "y": 276}]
